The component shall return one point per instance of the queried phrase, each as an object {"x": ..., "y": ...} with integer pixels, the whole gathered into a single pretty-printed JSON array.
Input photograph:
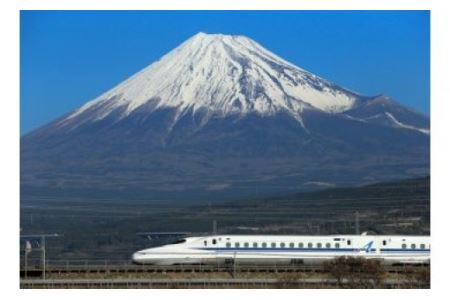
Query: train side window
[
  {"x": 337, "y": 245},
  {"x": 300, "y": 245},
  {"x": 246, "y": 245},
  {"x": 403, "y": 246},
  {"x": 264, "y": 245},
  {"x": 236, "y": 245},
  {"x": 273, "y": 245},
  {"x": 206, "y": 243},
  {"x": 349, "y": 242},
  {"x": 384, "y": 242},
  {"x": 228, "y": 245},
  {"x": 413, "y": 246},
  {"x": 291, "y": 245},
  {"x": 422, "y": 246},
  {"x": 255, "y": 245},
  {"x": 310, "y": 245},
  {"x": 214, "y": 241},
  {"x": 282, "y": 245},
  {"x": 328, "y": 245},
  {"x": 319, "y": 245}
]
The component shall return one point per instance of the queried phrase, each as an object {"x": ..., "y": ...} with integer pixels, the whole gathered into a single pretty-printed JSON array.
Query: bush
[
  {"x": 355, "y": 272},
  {"x": 418, "y": 278},
  {"x": 289, "y": 281}
]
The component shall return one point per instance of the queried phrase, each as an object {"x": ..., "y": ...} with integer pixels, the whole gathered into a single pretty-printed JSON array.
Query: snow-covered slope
[
  {"x": 401, "y": 125},
  {"x": 223, "y": 75}
]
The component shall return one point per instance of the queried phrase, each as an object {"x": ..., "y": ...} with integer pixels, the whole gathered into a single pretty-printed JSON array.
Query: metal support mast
[
  {"x": 357, "y": 222},
  {"x": 214, "y": 227}
]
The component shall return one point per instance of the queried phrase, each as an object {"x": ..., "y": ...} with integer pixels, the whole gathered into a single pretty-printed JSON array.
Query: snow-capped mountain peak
[
  {"x": 222, "y": 75},
  {"x": 219, "y": 117}
]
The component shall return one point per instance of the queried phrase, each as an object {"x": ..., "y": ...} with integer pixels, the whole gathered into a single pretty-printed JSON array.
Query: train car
[{"x": 288, "y": 249}]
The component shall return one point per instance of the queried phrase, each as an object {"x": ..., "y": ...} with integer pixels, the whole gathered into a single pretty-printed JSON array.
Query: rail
[
  {"x": 189, "y": 283},
  {"x": 125, "y": 266}
]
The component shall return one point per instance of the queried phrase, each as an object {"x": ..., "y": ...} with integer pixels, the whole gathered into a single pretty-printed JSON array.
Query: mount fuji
[{"x": 221, "y": 116}]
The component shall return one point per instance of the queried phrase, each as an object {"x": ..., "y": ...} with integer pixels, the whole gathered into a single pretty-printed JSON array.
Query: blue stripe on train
[
  {"x": 281, "y": 249},
  {"x": 312, "y": 249},
  {"x": 404, "y": 250}
]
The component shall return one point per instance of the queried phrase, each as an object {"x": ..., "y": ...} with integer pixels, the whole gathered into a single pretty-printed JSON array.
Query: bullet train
[{"x": 288, "y": 249}]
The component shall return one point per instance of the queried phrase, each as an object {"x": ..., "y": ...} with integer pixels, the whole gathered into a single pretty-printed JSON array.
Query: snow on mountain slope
[
  {"x": 223, "y": 75},
  {"x": 401, "y": 125}
]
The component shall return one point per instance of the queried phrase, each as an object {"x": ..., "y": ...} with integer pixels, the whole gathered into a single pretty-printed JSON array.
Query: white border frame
[{"x": 9, "y": 126}]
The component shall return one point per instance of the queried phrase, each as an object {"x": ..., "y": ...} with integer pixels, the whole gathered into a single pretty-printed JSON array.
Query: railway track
[
  {"x": 35, "y": 271},
  {"x": 191, "y": 283},
  {"x": 126, "y": 275}
]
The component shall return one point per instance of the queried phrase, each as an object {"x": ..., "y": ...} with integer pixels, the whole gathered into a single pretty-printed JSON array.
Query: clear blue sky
[{"x": 70, "y": 57}]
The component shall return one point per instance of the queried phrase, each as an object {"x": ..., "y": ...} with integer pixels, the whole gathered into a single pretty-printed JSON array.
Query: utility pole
[
  {"x": 234, "y": 265},
  {"x": 357, "y": 222},
  {"x": 27, "y": 251},
  {"x": 214, "y": 227},
  {"x": 43, "y": 256}
]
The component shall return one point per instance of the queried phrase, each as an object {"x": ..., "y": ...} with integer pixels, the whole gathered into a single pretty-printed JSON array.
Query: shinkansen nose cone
[
  {"x": 152, "y": 257},
  {"x": 138, "y": 257},
  {"x": 145, "y": 257}
]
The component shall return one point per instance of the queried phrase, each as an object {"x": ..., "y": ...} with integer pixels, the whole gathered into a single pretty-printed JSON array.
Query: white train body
[{"x": 289, "y": 249}]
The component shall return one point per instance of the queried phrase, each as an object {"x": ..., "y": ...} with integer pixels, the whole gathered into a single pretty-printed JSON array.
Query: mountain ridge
[{"x": 171, "y": 127}]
